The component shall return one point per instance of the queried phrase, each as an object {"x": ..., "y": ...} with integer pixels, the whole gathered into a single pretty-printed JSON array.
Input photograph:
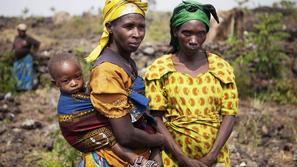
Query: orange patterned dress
[
  {"x": 193, "y": 106},
  {"x": 109, "y": 95}
]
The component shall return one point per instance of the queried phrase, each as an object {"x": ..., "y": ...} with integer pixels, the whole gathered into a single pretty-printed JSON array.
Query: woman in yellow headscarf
[
  {"x": 193, "y": 93},
  {"x": 116, "y": 87}
]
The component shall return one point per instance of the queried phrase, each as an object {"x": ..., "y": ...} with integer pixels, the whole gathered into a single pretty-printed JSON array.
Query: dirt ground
[{"x": 264, "y": 134}]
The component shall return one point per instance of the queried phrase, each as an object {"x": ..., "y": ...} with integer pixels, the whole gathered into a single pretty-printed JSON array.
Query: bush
[
  {"x": 266, "y": 55},
  {"x": 261, "y": 68},
  {"x": 7, "y": 81}
]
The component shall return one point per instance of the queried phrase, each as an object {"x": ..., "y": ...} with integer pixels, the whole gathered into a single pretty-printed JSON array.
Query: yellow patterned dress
[{"x": 193, "y": 106}]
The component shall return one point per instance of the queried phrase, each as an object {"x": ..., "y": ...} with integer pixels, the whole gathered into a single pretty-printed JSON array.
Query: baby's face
[{"x": 69, "y": 77}]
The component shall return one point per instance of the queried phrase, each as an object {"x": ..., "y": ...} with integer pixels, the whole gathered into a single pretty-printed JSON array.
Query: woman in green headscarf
[{"x": 192, "y": 92}]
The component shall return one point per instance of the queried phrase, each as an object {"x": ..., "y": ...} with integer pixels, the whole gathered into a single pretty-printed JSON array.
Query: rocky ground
[{"x": 264, "y": 134}]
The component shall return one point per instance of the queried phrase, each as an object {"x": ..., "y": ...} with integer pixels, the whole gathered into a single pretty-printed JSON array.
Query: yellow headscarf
[{"x": 112, "y": 10}]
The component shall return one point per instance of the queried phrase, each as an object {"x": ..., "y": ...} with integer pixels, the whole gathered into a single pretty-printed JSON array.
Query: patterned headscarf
[
  {"x": 113, "y": 10},
  {"x": 190, "y": 10}
]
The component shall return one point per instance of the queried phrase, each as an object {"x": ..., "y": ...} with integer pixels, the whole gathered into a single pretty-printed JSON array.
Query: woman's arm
[
  {"x": 170, "y": 142},
  {"x": 171, "y": 145},
  {"x": 131, "y": 137},
  {"x": 222, "y": 137}
]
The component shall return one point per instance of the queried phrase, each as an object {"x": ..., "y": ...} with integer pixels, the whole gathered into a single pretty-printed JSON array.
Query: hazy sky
[{"x": 76, "y": 7}]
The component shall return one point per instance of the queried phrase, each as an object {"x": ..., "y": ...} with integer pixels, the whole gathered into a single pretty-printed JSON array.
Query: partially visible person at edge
[
  {"x": 192, "y": 92},
  {"x": 82, "y": 127},
  {"x": 117, "y": 90},
  {"x": 24, "y": 47}
]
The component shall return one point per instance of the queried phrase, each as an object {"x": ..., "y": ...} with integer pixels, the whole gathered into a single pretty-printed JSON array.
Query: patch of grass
[
  {"x": 294, "y": 132},
  {"x": 78, "y": 27},
  {"x": 257, "y": 104},
  {"x": 158, "y": 29},
  {"x": 86, "y": 67},
  {"x": 45, "y": 82},
  {"x": 282, "y": 91},
  {"x": 62, "y": 155},
  {"x": 248, "y": 128}
]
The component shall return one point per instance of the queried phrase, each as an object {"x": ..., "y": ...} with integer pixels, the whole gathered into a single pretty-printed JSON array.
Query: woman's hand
[
  {"x": 158, "y": 159},
  {"x": 188, "y": 162},
  {"x": 208, "y": 159},
  {"x": 156, "y": 156}
]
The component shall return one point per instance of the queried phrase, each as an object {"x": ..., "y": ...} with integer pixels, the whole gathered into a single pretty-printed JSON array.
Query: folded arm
[{"x": 132, "y": 137}]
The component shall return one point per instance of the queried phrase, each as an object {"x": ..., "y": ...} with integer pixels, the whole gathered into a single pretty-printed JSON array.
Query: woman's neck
[
  {"x": 192, "y": 58},
  {"x": 124, "y": 54}
]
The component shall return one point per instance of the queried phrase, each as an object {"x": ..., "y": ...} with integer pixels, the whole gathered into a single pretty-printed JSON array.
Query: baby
[{"x": 83, "y": 128}]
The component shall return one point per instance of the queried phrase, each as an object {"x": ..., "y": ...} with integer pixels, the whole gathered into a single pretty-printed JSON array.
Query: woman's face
[
  {"x": 128, "y": 32},
  {"x": 22, "y": 33},
  {"x": 191, "y": 35}
]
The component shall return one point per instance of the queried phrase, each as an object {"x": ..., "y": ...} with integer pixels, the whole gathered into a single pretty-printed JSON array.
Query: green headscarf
[{"x": 190, "y": 10}]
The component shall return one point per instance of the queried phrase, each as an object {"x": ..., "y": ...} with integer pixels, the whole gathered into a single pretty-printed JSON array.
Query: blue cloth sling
[{"x": 69, "y": 103}]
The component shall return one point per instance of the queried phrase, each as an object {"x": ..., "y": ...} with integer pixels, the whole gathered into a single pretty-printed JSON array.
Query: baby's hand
[{"x": 142, "y": 162}]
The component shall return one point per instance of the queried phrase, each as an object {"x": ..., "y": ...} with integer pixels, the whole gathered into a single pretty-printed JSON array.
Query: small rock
[
  {"x": 11, "y": 116},
  {"x": 17, "y": 102},
  {"x": 16, "y": 130},
  {"x": 252, "y": 164},
  {"x": 2, "y": 130},
  {"x": 4, "y": 108},
  {"x": 288, "y": 147},
  {"x": 8, "y": 95},
  {"x": 49, "y": 145},
  {"x": 16, "y": 110},
  {"x": 264, "y": 130},
  {"x": 148, "y": 50},
  {"x": 242, "y": 164},
  {"x": 30, "y": 124},
  {"x": 232, "y": 148}
]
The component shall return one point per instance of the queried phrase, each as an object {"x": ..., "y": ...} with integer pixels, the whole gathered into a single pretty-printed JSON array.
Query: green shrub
[
  {"x": 263, "y": 58},
  {"x": 7, "y": 81},
  {"x": 266, "y": 55}
]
